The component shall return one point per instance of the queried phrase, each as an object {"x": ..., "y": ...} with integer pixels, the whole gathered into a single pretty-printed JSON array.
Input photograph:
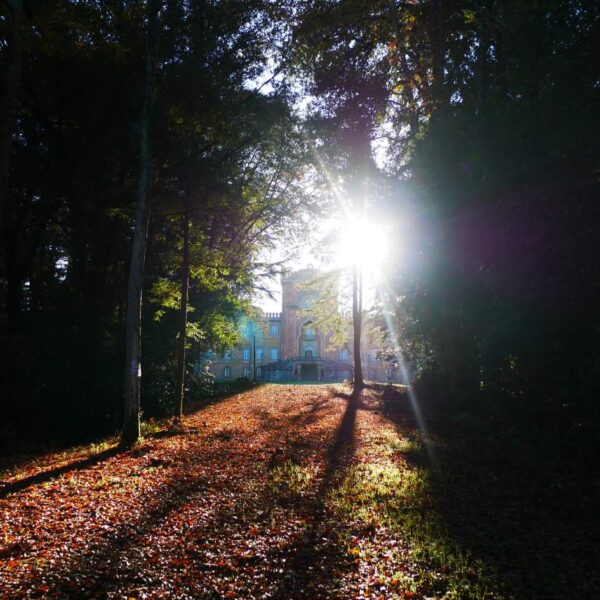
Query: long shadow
[
  {"x": 343, "y": 447},
  {"x": 95, "y": 567},
  {"x": 532, "y": 530},
  {"x": 45, "y": 476},
  {"x": 77, "y": 465},
  {"x": 315, "y": 549},
  {"x": 312, "y": 415},
  {"x": 193, "y": 406},
  {"x": 99, "y": 564},
  {"x": 299, "y": 420}
]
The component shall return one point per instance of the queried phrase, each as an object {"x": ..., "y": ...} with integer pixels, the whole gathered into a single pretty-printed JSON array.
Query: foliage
[
  {"x": 223, "y": 150},
  {"x": 479, "y": 121}
]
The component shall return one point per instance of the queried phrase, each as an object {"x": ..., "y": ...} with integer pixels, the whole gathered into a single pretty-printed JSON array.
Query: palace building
[{"x": 290, "y": 346}]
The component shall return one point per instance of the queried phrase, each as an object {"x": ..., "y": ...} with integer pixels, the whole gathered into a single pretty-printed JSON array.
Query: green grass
[
  {"x": 391, "y": 443},
  {"x": 394, "y": 498},
  {"x": 151, "y": 427},
  {"x": 291, "y": 478}
]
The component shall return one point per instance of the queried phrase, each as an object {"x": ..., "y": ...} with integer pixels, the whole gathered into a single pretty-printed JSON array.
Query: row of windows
[
  {"x": 251, "y": 330},
  {"x": 245, "y": 372},
  {"x": 372, "y": 373},
  {"x": 274, "y": 354},
  {"x": 247, "y": 354}
]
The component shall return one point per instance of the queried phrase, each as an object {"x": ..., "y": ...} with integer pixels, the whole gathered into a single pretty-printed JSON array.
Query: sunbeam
[{"x": 414, "y": 402}]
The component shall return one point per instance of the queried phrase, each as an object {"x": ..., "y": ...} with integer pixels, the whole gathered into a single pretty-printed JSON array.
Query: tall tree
[
  {"x": 67, "y": 233},
  {"x": 183, "y": 310},
  {"x": 133, "y": 325},
  {"x": 357, "y": 317},
  {"x": 10, "y": 88}
]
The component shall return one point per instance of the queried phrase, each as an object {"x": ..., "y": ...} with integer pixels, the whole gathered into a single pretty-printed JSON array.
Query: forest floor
[{"x": 283, "y": 492}]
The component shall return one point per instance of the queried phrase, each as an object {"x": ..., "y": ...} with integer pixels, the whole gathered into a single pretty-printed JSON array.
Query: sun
[{"x": 362, "y": 243}]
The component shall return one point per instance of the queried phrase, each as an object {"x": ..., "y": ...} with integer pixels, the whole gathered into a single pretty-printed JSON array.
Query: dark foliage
[
  {"x": 489, "y": 112},
  {"x": 219, "y": 148}
]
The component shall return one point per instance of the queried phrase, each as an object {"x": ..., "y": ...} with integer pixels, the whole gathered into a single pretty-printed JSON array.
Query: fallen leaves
[{"x": 283, "y": 491}]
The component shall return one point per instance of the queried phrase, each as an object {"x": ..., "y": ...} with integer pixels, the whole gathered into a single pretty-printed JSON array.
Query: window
[
  {"x": 274, "y": 354},
  {"x": 258, "y": 371},
  {"x": 259, "y": 354},
  {"x": 246, "y": 372},
  {"x": 308, "y": 331},
  {"x": 274, "y": 330},
  {"x": 227, "y": 372},
  {"x": 208, "y": 354},
  {"x": 308, "y": 353},
  {"x": 344, "y": 354},
  {"x": 246, "y": 354},
  {"x": 227, "y": 355}
]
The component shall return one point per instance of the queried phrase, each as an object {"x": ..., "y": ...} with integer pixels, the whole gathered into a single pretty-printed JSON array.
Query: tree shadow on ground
[
  {"x": 316, "y": 560},
  {"x": 52, "y": 473},
  {"x": 191, "y": 407},
  {"x": 49, "y": 475},
  {"x": 531, "y": 530},
  {"x": 94, "y": 570}
]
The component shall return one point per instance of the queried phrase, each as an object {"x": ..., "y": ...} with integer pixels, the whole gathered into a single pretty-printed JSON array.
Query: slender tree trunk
[
  {"x": 8, "y": 105},
  {"x": 133, "y": 325},
  {"x": 357, "y": 324},
  {"x": 185, "y": 284}
]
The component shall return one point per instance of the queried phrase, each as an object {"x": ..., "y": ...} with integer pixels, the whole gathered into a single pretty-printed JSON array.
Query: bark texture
[
  {"x": 133, "y": 326},
  {"x": 357, "y": 324},
  {"x": 185, "y": 285}
]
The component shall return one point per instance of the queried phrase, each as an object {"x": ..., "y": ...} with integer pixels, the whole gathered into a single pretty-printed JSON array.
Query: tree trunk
[
  {"x": 185, "y": 284},
  {"x": 8, "y": 106},
  {"x": 133, "y": 325},
  {"x": 357, "y": 324}
]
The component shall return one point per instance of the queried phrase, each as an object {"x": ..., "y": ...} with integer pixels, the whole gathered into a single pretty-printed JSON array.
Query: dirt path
[{"x": 279, "y": 492}]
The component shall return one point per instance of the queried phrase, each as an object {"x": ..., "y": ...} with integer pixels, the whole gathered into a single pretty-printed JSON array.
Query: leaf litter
[{"x": 278, "y": 492}]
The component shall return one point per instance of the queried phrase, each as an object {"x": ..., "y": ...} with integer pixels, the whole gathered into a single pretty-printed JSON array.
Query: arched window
[
  {"x": 308, "y": 331},
  {"x": 309, "y": 341}
]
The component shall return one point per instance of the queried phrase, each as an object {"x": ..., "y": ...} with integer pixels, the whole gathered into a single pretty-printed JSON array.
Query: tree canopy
[{"x": 469, "y": 128}]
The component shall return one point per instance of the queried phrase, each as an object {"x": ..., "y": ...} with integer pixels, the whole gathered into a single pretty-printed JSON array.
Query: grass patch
[
  {"x": 396, "y": 499},
  {"x": 291, "y": 478},
  {"x": 391, "y": 443},
  {"x": 151, "y": 427}
]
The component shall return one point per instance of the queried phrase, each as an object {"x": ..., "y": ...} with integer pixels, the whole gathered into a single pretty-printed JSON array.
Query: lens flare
[
  {"x": 363, "y": 244},
  {"x": 414, "y": 403}
]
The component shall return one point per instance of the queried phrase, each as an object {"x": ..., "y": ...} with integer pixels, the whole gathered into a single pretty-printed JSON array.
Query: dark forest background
[{"x": 488, "y": 114}]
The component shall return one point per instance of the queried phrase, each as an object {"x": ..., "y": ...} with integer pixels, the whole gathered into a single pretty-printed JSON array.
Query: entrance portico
[
  {"x": 305, "y": 368},
  {"x": 309, "y": 372}
]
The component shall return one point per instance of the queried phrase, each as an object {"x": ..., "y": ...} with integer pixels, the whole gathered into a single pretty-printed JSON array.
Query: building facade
[{"x": 290, "y": 345}]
